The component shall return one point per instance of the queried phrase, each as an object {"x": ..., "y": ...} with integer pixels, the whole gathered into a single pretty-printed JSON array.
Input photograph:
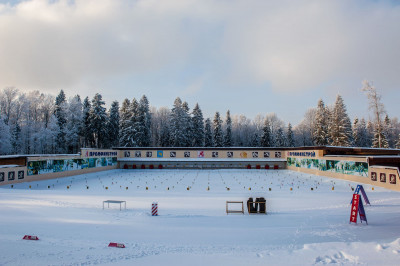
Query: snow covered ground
[{"x": 302, "y": 227}]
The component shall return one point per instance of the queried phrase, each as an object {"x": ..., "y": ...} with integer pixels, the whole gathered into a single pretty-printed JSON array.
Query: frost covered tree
[
  {"x": 217, "y": 131},
  {"x": 398, "y": 142},
  {"x": 160, "y": 126},
  {"x": 113, "y": 125},
  {"x": 275, "y": 124},
  {"x": 16, "y": 139},
  {"x": 378, "y": 109},
  {"x": 60, "y": 113},
  {"x": 133, "y": 124},
  {"x": 124, "y": 121},
  {"x": 98, "y": 120},
  {"x": 177, "y": 128},
  {"x": 388, "y": 131},
  {"x": 143, "y": 123},
  {"x": 280, "y": 138},
  {"x": 320, "y": 134},
  {"x": 228, "y": 132},
  {"x": 265, "y": 140},
  {"x": 340, "y": 131},
  {"x": 74, "y": 124},
  {"x": 242, "y": 130},
  {"x": 198, "y": 126},
  {"x": 208, "y": 137},
  {"x": 289, "y": 136},
  {"x": 8, "y": 98},
  {"x": 187, "y": 140},
  {"x": 379, "y": 140},
  {"x": 5, "y": 138},
  {"x": 86, "y": 129},
  {"x": 255, "y": 140},
  {"x": 360, "y": 134}
]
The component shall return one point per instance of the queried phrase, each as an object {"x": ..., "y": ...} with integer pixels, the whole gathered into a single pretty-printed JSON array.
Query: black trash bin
[
  {"x": 262, "y": 203},
  {"x": 250, "y": 206}
]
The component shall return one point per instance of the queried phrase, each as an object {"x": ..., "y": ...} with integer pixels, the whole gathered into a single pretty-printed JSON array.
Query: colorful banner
[
  {"x": 342, "y": 167},
  {"x": 53, "y": 166}
]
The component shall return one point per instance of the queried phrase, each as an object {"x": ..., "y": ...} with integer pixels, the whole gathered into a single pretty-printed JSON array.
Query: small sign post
[
  {"x": 357, "y": 208},
  {"x": 354, "y": 208}
]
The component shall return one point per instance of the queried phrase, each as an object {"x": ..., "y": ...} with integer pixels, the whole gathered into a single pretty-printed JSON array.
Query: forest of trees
[{"x": 38, "y": 123}]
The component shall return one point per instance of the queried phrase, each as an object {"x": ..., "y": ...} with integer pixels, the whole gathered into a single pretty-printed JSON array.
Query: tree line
[{"x": 38, "y": 123}]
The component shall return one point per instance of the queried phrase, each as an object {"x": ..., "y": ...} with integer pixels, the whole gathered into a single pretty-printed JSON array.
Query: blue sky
[{"x": 247, "y": 56}]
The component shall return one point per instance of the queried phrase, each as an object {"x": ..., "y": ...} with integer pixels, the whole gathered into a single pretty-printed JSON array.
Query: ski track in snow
[{"x": 302, "y": 227}]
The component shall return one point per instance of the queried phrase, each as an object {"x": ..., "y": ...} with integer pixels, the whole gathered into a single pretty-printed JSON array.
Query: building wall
[
  {"x": 58, "y": 166},
  {"x": 202, "y": 165},
  {"x": 18, "y": 175},
  {"x": 198, "y": 153},
  {"x": 352, "y": 168},
  {"x": 387, "y": 177}
]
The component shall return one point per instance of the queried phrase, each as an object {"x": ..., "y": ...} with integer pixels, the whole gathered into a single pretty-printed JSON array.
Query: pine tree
[
  {"x": 143, "y": 123},
  {"x": 289, "y": 136},
  {"x": 379, "y": 140},
  {"x": 16, "y": 139},
  {"x": 5, "y": 138},
  {"x": 363, "y": 134},
  {"x": 124, "y": 122},
  {"x": 177, "y": 128},
  {"x": 320, "y": 134},
  {"x": 208, "y": 137},
  {"x": 266, "y": 135},
  {"x": 370, "y": 134},
  {"x": 255, "y": 140},
  {"x": 217, "y": 131},
  {"x": 356, "y": 132},
  {"x": 340, "y": 126},
  {"x": 280, "y": 138},
  {"x": 59, "y": 111},
  {"x": 187, "y": 126},
  {"x": 86, "y": 129},
  {"x": 198, "y": 126},
  {"x": 228, "y": 133},
  {"x": 74, "y": 124},
  {"x": 398, "y": 143},
  {"x": 113, "y": 125},
  {"x": 388, "y": 131},
  {"x": 98, "y": 120},
  {"x": 133, "y": 130}
]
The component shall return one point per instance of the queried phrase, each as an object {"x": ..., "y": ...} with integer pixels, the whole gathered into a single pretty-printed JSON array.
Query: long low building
[{"x": 378, "y": 167}]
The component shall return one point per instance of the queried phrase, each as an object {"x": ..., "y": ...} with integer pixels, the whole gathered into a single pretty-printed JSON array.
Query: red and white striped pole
[{"x": 154, "y": 209}]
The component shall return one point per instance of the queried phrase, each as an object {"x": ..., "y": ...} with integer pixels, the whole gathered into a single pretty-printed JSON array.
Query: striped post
[{"x": 154, "y": 209}]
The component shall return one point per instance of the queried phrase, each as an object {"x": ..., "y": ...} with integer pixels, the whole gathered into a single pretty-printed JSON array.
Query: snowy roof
[
  {"x": 384, "y": 167},
  {"x": 35, "y": 155},
  {"x": 11, "y": 166},
  {"x": 201, "y": 160}
]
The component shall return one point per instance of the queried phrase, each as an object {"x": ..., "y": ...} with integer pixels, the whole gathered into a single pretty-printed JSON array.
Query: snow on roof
[
  {"x": 11, "y": 166},
  {"x": 384, "y": 167},
  {"x": 35, "y": 155}
]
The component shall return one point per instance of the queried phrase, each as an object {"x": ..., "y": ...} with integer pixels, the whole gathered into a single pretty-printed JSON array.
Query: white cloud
[{"x": 291, "y": 46}]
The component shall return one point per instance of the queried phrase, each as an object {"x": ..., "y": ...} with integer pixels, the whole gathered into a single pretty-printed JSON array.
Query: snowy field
[{"x": 302, "y": 226}]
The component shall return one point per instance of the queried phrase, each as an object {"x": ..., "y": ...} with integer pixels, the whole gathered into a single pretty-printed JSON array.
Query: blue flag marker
[{"x": 361, "y": 211}]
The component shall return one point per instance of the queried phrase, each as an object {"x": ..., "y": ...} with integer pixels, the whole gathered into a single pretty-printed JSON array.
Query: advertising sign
[{"x": 354, "y": 208}]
